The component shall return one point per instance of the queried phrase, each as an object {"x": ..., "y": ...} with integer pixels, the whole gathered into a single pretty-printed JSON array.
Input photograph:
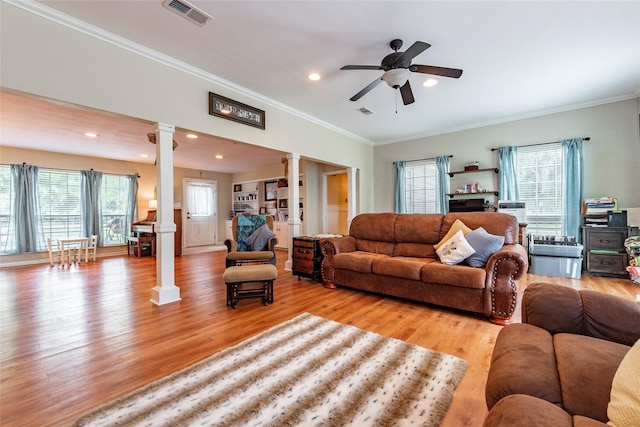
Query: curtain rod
[
  {"x": 586, "y": 138},
  {"x": 72, "y": 170},
  {"x": 430, "y": 158}
]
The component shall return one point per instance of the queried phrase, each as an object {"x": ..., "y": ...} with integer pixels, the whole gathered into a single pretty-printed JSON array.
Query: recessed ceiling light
[
  {"x": 144, "y": 155},
  {"x": 219, "y": 156},
  {"x": 314, "y": 77},
  {"x": 430, "y": 83},
  {"x": 91, "y": 134},
  {"x": 192, "y": 136}
]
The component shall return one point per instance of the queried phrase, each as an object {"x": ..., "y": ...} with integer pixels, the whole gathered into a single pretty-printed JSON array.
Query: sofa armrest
[
  {"x": 330, "y": 247},
  {"x": 504, "y": 268},
  {"x": 561, "y": 309}
]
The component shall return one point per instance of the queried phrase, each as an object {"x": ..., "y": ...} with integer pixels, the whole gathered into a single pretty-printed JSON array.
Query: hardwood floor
[{"x": 76, "y": 337}]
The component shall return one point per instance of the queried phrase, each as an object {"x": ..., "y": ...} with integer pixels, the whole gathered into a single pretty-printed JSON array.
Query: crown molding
[{"x": 100, "y": 34}]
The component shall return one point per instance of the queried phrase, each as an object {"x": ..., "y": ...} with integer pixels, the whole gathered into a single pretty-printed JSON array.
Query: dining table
[{"x": 68, "y": 243}]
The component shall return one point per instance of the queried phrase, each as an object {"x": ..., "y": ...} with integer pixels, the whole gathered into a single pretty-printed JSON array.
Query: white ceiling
[{"x": 520, "y": 59}]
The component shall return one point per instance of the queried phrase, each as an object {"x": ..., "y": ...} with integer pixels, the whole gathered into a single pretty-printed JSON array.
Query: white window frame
[
  {"x": 540, "y": 181},
  {"x": 421, "y": 187}
]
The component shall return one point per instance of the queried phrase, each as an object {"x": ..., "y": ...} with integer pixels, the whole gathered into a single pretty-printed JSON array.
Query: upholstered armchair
[{"x": 253, "y": 240}]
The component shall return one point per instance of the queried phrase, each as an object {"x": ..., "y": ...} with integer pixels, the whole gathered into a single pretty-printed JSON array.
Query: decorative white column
[
  {"x": 165, "y": 290},
  {"x": 293, "y": 222},
  {"x": 352, "y": 211}
]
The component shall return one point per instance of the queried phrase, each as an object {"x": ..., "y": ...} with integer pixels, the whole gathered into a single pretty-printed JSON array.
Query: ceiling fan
[{"x": 397, "y": 68}]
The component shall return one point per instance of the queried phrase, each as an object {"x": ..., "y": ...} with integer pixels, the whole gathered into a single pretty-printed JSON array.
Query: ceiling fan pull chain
[{"x": 396, "y": 101}]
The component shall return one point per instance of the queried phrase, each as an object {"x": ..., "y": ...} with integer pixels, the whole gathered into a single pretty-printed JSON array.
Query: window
[
  {"x": 60, "y": 213},
  {"x": 113, "y": 199},
  {"x": 7, "y": 235},
  {"x": 539, "y": 170},
  {"x": 421, "y": 188}
]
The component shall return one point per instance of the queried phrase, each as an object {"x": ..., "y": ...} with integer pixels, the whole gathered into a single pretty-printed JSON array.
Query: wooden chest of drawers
[
  {"x": 604, "y": 250},
  {"x": 307, "y": 258}
]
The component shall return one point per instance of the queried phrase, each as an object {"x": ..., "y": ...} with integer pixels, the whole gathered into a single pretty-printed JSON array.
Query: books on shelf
[{"x": 599, "y": 206}]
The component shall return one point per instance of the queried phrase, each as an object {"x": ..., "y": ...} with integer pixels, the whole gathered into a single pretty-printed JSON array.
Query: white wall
[
  {"x": 45, "y": 58},
  {"x": 612, "y": 156}
]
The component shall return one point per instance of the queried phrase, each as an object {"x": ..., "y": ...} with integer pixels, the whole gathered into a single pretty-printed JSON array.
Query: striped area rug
[{"x": 308, "y": 371}]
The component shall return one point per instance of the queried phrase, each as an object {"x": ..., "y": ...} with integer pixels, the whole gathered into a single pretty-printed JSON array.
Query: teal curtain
[
  {"x": 573, "y": 180},
  {"x": 400, "y": 205},
  {"x": 442, "y": 201},
  {"x": 29, "y": 233},
  {"x": 132, "y": 202},
  {"x": 91, "y": 206},
  {"x": 507, "y": 174}
]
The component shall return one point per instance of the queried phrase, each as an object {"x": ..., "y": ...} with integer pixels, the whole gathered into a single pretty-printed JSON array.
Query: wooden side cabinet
[
  {"x": 605, "y": 254},
  {"x": 307, "y": 258}
]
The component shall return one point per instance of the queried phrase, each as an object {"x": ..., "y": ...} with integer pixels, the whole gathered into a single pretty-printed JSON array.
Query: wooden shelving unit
[{"x": 451, "y": 174}]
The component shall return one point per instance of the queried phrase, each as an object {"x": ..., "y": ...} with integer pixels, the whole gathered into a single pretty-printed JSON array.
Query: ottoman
[{"x": 250, "y": 281}]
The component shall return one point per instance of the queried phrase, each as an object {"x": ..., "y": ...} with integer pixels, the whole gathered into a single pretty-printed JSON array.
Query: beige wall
[{"x": 612, "y": 157}]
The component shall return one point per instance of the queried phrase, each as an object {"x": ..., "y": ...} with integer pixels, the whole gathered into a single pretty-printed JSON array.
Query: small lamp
[{"x": 153, "y": 204}]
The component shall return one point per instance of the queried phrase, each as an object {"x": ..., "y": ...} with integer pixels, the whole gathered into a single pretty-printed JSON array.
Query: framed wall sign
[
  {"x": 229, "y": 109},
  {"x": 270, "y": 190}
]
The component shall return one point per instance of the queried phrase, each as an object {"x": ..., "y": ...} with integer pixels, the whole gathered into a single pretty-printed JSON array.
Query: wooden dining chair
[
  {"x": 93, "y": 247},
  {"x": 55, "y": 256}
]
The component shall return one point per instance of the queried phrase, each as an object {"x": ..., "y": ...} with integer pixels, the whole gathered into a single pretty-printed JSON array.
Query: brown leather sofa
[
  {"x": 557, "y": 367},
  {"x": 393, "y": 254}
]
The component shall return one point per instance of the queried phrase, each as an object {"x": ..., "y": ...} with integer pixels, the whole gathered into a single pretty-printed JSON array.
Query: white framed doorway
[
  {"x": 335, "y": 202},
  {"x": 200, "y": 212}
]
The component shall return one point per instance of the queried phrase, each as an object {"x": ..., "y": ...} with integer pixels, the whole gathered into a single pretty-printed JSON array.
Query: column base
[
  {"x": 288, "y": 265},
  {"x": 161, "y": 295}
]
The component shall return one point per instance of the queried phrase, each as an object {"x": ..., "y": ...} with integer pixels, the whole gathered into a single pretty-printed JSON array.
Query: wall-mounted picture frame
[
  {"x": 229, "y": 109},
  {"x": 270, "y": 190},
  {"x": 263, "y": 210}
]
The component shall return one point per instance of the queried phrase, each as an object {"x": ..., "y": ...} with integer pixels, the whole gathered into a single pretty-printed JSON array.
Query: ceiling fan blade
[
  {"x": 416, "y": 49},
  {"x": 436, "y": 71},
  {"x": 364, "y": 91},
  {"x": 362, "y": 67},
  {"x": 407, "y": 94}
]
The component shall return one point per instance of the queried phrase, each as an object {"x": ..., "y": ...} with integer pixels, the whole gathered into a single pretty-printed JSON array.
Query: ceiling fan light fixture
[
  {"x": 396, "y": 77},
  {"x": 430, "y": 83}
]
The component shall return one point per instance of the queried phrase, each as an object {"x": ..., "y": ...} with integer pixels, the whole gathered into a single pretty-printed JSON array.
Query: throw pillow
[
  {"x": 624, "y": 406},
  {"x": 457, "y": 225},
  {"x": 259, "y": 238},
  {"x": 484, "y": 244},
  {"x": 455, "y": 250}
]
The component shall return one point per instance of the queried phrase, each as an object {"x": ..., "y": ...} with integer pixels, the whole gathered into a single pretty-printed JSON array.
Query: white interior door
[{"x": 200, "y": 213}]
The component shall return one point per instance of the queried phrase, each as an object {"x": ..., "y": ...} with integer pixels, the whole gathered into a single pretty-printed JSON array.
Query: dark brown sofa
[
  {"x": 393, "y": 254},
  {"x": 557, "y": 367}
]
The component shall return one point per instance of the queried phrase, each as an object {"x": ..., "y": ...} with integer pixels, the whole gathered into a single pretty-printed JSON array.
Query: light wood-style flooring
[{"x": 75, "y": 337}]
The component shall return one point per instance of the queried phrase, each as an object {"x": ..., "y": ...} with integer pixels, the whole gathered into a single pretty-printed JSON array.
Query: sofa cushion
[
  {"x": 520, "y": 410},
  {"x": 375, "y": 247},
  {"x": 454, "y": 275},
  {"x": 362, "y": 262},
  {"x": 498, "y": 223},
  {"x": 404, "y": 267},
  {"x": 484, "y": 244},
  {"x": 455, "y": 227},
  {"x": 417, "y": 250},
  {"x": 455, "y": 250},
  {"x": 418, "y": 228},
  {"x": 523, "y": 362},
  {"x": 624, "y": 406},
  {"x": 378, "y": 227},
  {"x": 586, "y": 367}
]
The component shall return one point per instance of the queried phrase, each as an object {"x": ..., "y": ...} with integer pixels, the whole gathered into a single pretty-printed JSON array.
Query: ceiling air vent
[
  {"x": 364, "y": 110},
  {"x": 190, "y": 12}
]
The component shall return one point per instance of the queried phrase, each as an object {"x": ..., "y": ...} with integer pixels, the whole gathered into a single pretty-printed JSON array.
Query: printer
[{"x": 514, "y": 208}]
